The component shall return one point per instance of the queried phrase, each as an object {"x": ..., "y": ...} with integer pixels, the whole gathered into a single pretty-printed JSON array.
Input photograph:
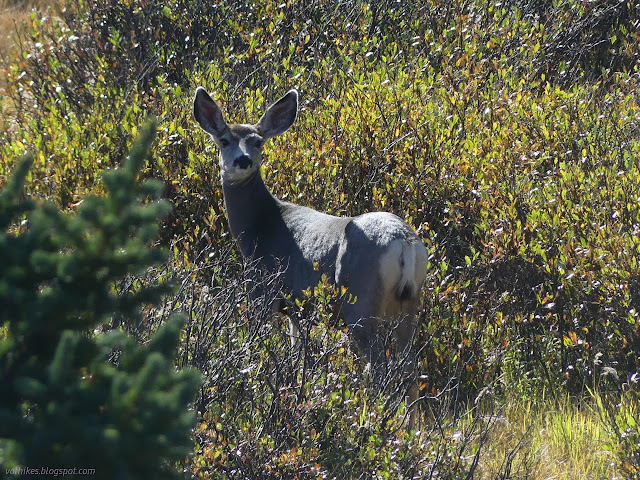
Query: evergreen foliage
[{"x": 71, "y": 398}]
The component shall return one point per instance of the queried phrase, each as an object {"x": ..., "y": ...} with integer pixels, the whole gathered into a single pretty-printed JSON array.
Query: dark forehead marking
[{"x": 241, "y": 130}]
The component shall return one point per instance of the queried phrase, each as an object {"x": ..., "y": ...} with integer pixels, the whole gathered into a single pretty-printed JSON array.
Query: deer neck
[{"x": 250, "y": 208}]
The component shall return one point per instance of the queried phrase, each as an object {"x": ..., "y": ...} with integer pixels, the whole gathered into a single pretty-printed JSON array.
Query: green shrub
[{"x": 71, "y": 398}]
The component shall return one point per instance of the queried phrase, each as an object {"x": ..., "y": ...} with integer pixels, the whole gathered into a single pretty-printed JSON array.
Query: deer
[{"x": 377, "y": 256}]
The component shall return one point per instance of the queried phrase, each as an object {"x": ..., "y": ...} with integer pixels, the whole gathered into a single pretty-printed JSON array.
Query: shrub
[
  {"x": 273, "y": 410},
  {"x": 70, "y": 398}
]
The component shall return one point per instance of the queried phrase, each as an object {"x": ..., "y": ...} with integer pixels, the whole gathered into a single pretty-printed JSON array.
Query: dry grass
[
  {"x": 563, "y": 442},
  {"x": 14, "y": 18}
]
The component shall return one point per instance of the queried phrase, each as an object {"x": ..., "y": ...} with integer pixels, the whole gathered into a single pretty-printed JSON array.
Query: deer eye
[{"x": 224, "y": 142}]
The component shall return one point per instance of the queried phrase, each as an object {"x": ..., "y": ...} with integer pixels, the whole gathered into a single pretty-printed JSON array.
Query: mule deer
[{"x": 377, "y": 256}]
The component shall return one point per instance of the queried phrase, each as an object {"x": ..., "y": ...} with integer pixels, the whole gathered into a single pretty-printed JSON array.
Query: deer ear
[
  {"x": 279, "y": 116},
  {"x": 208, "y": 113}
]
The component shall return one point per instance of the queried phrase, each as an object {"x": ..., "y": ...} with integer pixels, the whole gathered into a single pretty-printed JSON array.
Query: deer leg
[
  {"x": 294, "y": 333},
  {"x": 365, "y": 332},
  {"x": 280, "y": 308},
  {"x": 404, "y": 333}
]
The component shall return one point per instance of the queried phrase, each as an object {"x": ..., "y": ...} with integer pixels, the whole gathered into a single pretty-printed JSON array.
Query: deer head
[{"x": 240, "y": 145}]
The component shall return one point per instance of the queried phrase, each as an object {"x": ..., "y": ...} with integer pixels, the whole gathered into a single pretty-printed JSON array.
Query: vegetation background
[{"x": 507, "y": 134}]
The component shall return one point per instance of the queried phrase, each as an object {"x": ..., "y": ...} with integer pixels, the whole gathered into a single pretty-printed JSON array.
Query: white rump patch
[{"x": 402, "y": 270}]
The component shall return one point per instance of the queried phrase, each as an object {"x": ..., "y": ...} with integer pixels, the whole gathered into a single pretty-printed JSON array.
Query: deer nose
[{"x": 243, "y": 162}]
